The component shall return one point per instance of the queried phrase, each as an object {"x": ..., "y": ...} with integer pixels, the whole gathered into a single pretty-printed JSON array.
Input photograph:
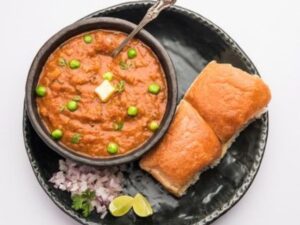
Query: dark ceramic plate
[{"x": 192, "y": 41}]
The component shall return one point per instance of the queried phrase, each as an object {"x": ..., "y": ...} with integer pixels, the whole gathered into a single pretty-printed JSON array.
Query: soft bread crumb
[
  {"x": 228, "y": 144},
  {"x": 225, "y": 148}
]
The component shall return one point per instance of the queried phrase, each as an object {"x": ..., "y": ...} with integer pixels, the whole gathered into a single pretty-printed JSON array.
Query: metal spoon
[{"x": 151, "y": 14}]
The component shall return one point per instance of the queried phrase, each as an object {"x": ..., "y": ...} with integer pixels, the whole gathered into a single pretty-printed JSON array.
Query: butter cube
[{"x": 105, "y": 90}]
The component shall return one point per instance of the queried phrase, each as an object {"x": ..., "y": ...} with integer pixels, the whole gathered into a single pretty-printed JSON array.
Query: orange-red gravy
[{"x": 94, "y": 120}]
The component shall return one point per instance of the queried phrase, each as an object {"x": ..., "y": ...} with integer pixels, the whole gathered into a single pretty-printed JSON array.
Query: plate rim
[{"x": 248, "y": 180}]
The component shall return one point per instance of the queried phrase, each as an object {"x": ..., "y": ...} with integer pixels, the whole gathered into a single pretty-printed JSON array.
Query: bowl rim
[{"x": 65, "y": 34}]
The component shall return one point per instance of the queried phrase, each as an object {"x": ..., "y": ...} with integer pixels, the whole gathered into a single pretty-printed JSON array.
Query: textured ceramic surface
[{"x": 192, "y": 41}]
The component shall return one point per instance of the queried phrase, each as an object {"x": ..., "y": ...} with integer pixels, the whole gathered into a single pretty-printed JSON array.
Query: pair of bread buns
[{"x": 218, "y": 105}]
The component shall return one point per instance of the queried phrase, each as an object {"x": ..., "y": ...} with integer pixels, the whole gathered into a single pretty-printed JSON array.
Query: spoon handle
[{"x": 151, "y": 14}]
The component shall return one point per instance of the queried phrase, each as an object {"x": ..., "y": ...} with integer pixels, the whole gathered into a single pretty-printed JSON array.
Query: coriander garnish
[
  {"x": 82, "y": 202},
  {"x": 75, "y": 138},
  {"x": 62, "y": 108},
  {"x": 76, "y": 98},
  {"x": 120, "y": 87},
  {"x": 62, "y": 62},
  {"x": 117, "y": 126},
  {"x": 123, "y": 65}
]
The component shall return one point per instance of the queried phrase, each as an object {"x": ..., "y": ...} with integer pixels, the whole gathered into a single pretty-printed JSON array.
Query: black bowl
[{"x": 75, "y": 29}]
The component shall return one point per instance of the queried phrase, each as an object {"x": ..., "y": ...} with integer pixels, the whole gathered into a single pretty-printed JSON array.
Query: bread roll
[
  {"x": 219, "y": 104},
  {"x": 189, "y": 147},
  {"x": 227, "y": 98}
]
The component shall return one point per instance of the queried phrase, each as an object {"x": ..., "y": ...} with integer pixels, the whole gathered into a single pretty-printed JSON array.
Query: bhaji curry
[{"x": 98, "y": 105}]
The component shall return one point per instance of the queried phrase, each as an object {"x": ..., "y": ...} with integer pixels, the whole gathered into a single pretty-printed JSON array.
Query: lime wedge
[
  {"x": 120, "y": 205},
  {"x": 141, "y": 206}
]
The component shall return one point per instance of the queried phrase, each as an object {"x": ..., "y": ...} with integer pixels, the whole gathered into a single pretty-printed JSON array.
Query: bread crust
[
  {"x": 220, "y": 102},
  {"x": 227, "y": 98},
  {"x": 189, "y": 146}
]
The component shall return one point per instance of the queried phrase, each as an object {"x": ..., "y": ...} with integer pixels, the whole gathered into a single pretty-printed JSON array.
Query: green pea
[
  {"x": 153, "y": 126},
  {"x": 154, "y": 88},
  {"x": 88, "y": 38},
  {"x": 41, "y": 91},
  {"x": 131, "y": 53},
  {"x": 74, "y": 64},
  {"x": 72, "y": 105},
  {"x": 112, "y": 148},
  {"x": 108, "y": 76},
  {"x": 132, "y": 111},
  {"x": 57, "y": 134}
]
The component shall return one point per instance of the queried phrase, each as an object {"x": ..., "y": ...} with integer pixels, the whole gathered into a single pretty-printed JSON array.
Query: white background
[{"x": 268, "y": 31}]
